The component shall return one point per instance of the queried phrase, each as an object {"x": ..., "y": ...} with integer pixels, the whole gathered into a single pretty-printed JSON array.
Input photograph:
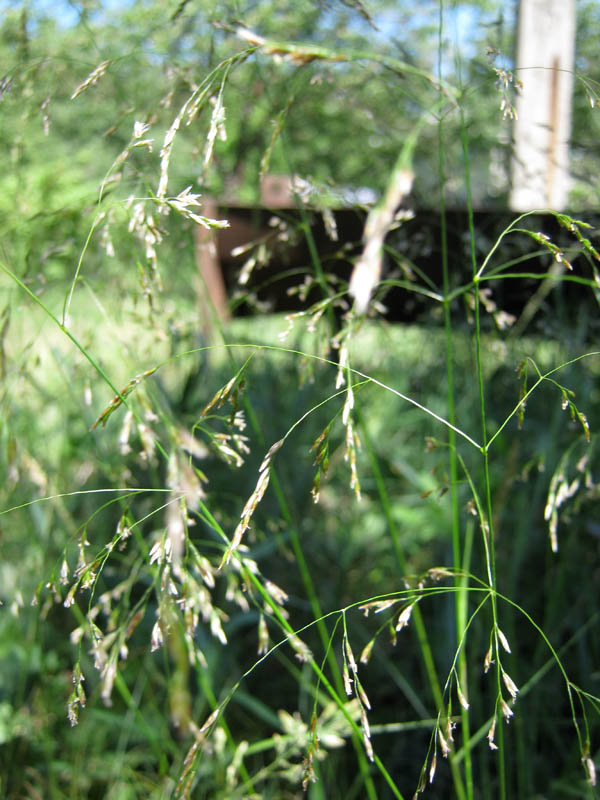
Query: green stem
[
  {"x": 461, "y": 597},
  {"x": 304, "y": 573},
  {"x": 250, "y": 577},
  {"x": 64, "y": 329},
  {"x": 417, "y": 616},
  {"x": 311, "y": 594},
  {"x": 69, "y": 297},
  {"x": 488, "y": 530},
  {"x": 284, "y": 624}
]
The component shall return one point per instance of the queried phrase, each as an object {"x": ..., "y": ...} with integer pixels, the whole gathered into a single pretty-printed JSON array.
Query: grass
[
  {"x": 173, "y": 590},
  {"x": 404, "y": 494}
]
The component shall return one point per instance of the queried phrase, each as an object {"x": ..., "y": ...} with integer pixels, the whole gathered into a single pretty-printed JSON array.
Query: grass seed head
[
  {"x": 92, "y": 79},
  {"x": 590, "y": 769},
  {"x": 347, "y": 680},
  {"x": 491, "y": 735},
  {"x": 443, "y": 743},
  {"x": 366, "y": 653},
  {"x": 432, "y": 768},
  {"x": 404, "y": 617},
  {"x": 461, "y": 698},
  {"x": 503, "y": 640},
  {"x": 510, "y": 685},
  {"x": 507, "y": 711}
]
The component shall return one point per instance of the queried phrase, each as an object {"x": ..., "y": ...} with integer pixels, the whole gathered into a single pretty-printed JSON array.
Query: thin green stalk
[
  {"x": 311, "y": 594},
  {"x": 352, "y": 370},
  {"x": 324, "y": 680},
  {"x": 417, "y": 617},
  {"x": 310, "y": 52},
  {"x": 63, "y": 328},
  {"x": 69, "y": 297},
  {"x": 488, "y": 532},
  {"x": 461, "y": 598},
  {"x": 532, "y": 388},
  {"x": 288, "y": 630},
  {"x": 303, "y": 567},
  {"x": 316, "y": 609},
  {"x": 203, "y": 680}
]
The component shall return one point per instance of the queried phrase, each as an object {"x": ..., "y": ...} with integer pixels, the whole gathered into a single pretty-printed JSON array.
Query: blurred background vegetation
[{"x": 340, "y": 127}]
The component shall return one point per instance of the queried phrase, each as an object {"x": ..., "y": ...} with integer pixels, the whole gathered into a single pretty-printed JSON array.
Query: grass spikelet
[
  {"x": 217, "y": 125},
  {"x": 92, "y": 79},
  {"x": 366, "y": 652},
  {"x": 301, "y": 649},
  {"x": 503, "y": 640},
  {"x": 507, "y": 711},
  {"x": 510, "y": 685},
  {"x": 251, "y": 503},
  {"x": 352, "y": 445},
  {"x": 590, "y": 769},
  {"x": 491, "y": 734},
  {"x": 461, "y": 697},
  {"x": 117, "y": 400},
  {"x": 445, "y": 747},
  {"x": 404, "y": 617}
]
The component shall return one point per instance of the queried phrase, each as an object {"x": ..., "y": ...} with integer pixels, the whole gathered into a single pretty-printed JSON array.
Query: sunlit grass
[{"x": 317, "y": 552}]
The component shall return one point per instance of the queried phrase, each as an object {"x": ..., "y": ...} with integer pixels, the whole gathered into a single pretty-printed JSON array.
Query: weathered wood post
[
  {"x": 545, "y": 62},
  {"x": 275, "y": 193},
  {"x": 211, "y": 291}
]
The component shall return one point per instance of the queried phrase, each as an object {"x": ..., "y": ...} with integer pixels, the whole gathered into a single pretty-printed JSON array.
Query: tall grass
[{"x": 320, "y": 554}]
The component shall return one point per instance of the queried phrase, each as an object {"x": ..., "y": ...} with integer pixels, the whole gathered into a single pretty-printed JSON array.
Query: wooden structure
[
  {"x": 544, "y": 63},
  {"x": 211, "y": 291},
  {"x": 418, "y": 244},
  {"x": 214, "y": 248}
]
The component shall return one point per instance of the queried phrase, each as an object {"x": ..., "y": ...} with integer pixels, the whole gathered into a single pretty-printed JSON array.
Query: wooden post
[
  {"x": 544, "y": 63},
  {"x": 212, "y": 292},
  {"x": 276, "y": 192}
]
